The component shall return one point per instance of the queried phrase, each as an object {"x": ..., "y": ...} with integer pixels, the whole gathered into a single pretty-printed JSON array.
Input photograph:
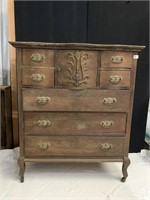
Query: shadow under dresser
[{"x": 75, "y": 102}]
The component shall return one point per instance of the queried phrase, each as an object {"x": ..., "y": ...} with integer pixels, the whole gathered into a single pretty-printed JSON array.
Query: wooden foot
[
  {"x": 21, "y": 164},
  {"x": 126, "y": 163},
  {"x": 22, "y": 179}
]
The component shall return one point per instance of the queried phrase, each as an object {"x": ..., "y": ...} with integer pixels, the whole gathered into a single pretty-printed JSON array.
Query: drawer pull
[
  {"x": 107, "y": 124},
  {"x": 109, "y": 101},
  {"x": 43, "y": 123},
  {"x": 106, "y": 146},
  {"x": 115, "y": 79},
  {"x": 37, "y": 77},
  {"x": 42, "y": 100},
  {"x": 43, "y": 146},
  {"x": 117, "y": 59},
  {"x": 37, "y": 57}
]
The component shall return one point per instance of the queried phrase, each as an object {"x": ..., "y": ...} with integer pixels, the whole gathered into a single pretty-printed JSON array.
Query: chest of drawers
[{"x": 75, "y": 102}]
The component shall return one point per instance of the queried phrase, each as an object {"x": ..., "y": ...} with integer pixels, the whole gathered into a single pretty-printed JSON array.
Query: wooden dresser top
[{"x": 81, "y": 46}]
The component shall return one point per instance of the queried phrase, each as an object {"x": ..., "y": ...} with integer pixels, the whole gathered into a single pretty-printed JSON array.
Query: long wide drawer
[
  {"x": 73, "y": 146},
  {"x": 43, "y": 123},
  {"x": 75, "y": 100}
]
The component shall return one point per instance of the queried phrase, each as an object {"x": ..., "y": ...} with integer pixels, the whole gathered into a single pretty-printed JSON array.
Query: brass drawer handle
[
  {"x": 42, "y": 100},
  {"x": 107, "y": 124},
  {"x": 106, "y": 146},
  {"x": 115, "y": 79},
  {"x": 37, "y": 57},
  {"x": 43, "y": 146},
  {"x": 117, "y": 59},
  {"x": 43, "y": 123},
  {"x": 37, "y": 77},
  {"x": 109, "y": 101}
]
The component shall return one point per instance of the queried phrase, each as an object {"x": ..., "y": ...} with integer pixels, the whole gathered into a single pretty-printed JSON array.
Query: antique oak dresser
[{"x": 75, "y": 102}]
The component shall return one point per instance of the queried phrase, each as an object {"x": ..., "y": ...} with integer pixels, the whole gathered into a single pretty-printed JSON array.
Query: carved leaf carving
[{"x": 76, "y": 68}]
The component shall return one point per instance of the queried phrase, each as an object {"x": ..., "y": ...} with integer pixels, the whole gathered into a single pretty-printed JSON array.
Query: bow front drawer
[
  {"x": 73, "y": 146},
  {"x": 43, "y": 123},
  {"x": 75, "y": 100}
]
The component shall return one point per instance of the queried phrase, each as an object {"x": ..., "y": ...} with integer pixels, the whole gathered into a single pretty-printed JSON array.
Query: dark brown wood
[
  {"x": 75, "y": 102},
  {"x": 6, "y": 117}
]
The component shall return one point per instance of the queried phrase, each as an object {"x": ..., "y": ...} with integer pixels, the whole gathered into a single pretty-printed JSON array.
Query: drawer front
[
  {"x": 115, "y": 79},
  {"x": 116, "y": 59},
  {"x": 74, "y": 123},
  {"x": 76, "y": 69},
  {"x": 37, "y": 57},
  {"x": 38, "y": 77},
  {"x": 73, "y": 146},
  {"x": 75, "y": 100}
]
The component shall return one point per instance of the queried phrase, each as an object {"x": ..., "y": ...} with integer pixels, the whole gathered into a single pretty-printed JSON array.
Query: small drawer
[
  {"x": 48, "y": 146},
  {"x": 38, "y": 77},
  {"x": 44, "y": 123},
  {"x": 115, "y": 79},
  {"x": 76, "y": 100},
  {"x": 116, "y": 59},
  {"x": 37, "y": 57}
]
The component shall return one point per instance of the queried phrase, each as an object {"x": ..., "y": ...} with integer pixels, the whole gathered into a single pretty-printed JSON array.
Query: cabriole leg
[
  {"x": 126, "y": 163},
  {"x": 21, "y": 164}
]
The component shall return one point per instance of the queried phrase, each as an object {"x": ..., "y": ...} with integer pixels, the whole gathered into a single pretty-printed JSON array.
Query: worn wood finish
[
  {"x": 74, "y": 123},
  {"x": 81, "y": 108},
  {"x": 37, "y": 57},
  {"x": 73, "y": 146},
  {"x": 115, "y": 79},
  {"x": 116, "y": 59},
  {"x": 126, "y": 163},
  {"x": 42, "y": 77},
  {"x": 78, "y": 46},
  {"x": 76, "y": 100},
  {"x": 76, "y": 68}
]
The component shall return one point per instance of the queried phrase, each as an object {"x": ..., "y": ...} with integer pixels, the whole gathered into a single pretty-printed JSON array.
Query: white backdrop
[{"x": 4, "y": 51}]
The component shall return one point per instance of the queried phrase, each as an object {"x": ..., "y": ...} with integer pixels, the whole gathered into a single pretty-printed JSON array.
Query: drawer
[
  {"x": 76, "y": 69},
  {"x": 116, "y": 59},
  {"x": 75, "y": 100},
  {"x": 115, "y": 79},
  {"x": 37, "y": 57},
  {"x": 38, "y": 76},
  {"x": 44, "y": 123},
  {"x": 73, "y": 146}
]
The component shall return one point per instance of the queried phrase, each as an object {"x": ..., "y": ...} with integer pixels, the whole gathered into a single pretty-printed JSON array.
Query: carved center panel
[{"x": 76, "y": 69}]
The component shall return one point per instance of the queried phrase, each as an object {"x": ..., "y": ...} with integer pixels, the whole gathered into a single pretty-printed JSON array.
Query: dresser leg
[
  {"x": 21, "y": 164},
  {"x": 126, "y": 163}
]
